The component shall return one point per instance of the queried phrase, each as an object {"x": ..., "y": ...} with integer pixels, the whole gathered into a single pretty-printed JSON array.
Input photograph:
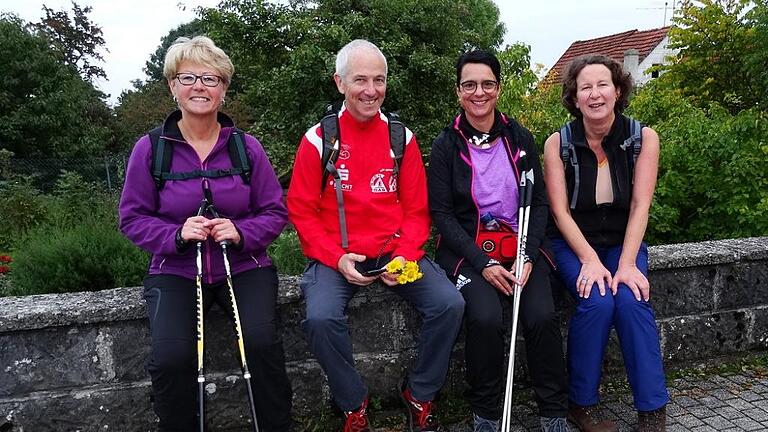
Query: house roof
[{"x": 613, "y": 46}]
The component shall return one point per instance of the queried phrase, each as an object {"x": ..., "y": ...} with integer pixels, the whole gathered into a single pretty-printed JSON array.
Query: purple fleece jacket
[{"x": 150, "y": 218}]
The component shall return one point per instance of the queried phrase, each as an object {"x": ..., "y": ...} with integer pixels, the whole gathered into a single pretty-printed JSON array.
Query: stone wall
[{"x": 75, "y": 362}]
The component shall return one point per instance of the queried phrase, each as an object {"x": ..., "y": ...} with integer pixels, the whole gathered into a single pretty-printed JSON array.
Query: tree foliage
[
  {"x": 77, "y": 39},
  {"x": 154, "y": 66},
  {"x": 284, "y": 55},
  {"x": 712, "y": 178},
  {"x": 721, "y": 55},
  {"x": 537, "y": 107},
  {"x": 46, "y": 108}
]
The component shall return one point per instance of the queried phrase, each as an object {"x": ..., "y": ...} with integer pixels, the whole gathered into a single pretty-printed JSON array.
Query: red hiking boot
[
  {"x": 357, "y": 420},
  {"x": 421, "y": 417}
]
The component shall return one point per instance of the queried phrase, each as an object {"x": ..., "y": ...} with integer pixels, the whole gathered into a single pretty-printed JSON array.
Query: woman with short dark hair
[
  {"x": 474, "y": 170},
  {"x": 600, "y": 175}
]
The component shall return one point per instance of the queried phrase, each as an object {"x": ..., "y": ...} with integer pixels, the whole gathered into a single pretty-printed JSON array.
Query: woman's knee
[{"x": 175, "y": 356}]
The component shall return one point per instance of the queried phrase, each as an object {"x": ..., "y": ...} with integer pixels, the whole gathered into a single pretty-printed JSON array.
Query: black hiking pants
[
  {"x": 172, "y": 310},
  {"x": 486, "y": 342}
]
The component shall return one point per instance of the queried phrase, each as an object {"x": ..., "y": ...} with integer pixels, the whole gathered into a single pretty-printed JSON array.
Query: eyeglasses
[
  {"x": 488, "y": 86},
  {"x": 188, "y": 79}
]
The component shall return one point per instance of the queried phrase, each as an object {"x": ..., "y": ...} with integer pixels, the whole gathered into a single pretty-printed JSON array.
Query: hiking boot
[
  {"x": 652, "y": 421},
  {"x": 589, "y": 419},
  {"x": 357, "y": 420},
  {"x": 484, "y": 424},
  {"x": 554, "y": 424},
  {"x": 420, "y": 414}
]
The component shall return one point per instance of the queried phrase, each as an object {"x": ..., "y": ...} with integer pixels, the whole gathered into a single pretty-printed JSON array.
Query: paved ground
[{"x": 716, "y": 403}]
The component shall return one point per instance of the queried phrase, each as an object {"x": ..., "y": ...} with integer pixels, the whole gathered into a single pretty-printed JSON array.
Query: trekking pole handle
[{"x": 215, "y": 214}]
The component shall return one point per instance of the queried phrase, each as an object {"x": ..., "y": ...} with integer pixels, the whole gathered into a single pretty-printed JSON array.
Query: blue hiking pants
[
  {"x": 590, "y": 326},
  {"x": 327, "y": 295}
]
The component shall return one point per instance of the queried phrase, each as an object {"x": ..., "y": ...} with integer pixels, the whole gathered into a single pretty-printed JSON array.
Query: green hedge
[{"x": 86, "y": 257}]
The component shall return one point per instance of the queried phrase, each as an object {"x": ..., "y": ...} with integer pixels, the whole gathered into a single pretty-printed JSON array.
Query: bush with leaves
[
  {"x": 286, "y": 253},
  {"x": 712, "y": 179},
  {"x": 21, "y": 208},
  {"x": 88, "y": 256}
]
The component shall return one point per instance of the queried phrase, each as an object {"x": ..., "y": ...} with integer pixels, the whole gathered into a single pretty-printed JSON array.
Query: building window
[{"x": 655, "y": 71}]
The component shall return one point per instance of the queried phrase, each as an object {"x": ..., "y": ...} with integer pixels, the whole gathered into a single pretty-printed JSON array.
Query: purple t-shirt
[{"x": 494, "y": 185}]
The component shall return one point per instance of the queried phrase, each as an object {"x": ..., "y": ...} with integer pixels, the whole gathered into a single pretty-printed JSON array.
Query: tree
[
  {"x": 284, "y": 58},
  {"x": 76, "y": 38},
  {"x": 154, "y": 66},
  {"x": 46, "y": 108},
  {"x": 537, "y": 107},
  {"x": 716, "y": 41}
]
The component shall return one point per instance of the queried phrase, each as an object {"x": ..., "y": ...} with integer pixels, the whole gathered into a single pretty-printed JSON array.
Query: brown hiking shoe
[
  {"x": 589, "y": 419},
  {"x": 357, "y": 420},
  {"x": 652, "y": 421}
]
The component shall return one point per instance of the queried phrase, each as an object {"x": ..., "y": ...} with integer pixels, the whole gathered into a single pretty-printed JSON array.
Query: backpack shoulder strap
[
  {"x": 396, "y": 140},
  {"x": 238, "y": 156},
  {"x": 568, "y": 156},
  {"x": 162, "y": 153},
  {"x": 636, "y": 134},
  {"x": 565, "y": 143},
  {"x": 329, "y": 130}
]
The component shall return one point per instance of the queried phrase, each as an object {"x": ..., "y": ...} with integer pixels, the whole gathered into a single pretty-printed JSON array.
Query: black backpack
[
  {"x": 162, "y": 153},
  {"x": 329, "y": 130},
  {"x": 568, "y": 153}
]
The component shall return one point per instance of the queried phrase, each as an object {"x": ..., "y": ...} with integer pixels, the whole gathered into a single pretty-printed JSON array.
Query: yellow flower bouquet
[{"x": 407, "y": 272}]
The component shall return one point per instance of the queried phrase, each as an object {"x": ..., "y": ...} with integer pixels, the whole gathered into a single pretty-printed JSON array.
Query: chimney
[{"x": 631, "y": 63}]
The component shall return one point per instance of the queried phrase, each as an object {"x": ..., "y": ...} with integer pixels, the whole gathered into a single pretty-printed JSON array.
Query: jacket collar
[
  {"x": 579, "y": 137},
  {"x": 171, "y": 124},
  {"x": 465, "y": 131}
]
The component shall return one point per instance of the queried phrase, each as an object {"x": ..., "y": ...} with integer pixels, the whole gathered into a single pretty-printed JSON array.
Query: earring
[
  {"x": 222, "y": 102},
  {"x": 174, "y": 99}
]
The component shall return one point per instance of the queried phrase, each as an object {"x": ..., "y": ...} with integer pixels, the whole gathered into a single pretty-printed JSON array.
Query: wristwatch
[{"x": 181, "y": 244}]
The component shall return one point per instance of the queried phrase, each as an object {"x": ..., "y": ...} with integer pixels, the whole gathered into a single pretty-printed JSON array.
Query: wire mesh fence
[{"x": 107, "y": 171}]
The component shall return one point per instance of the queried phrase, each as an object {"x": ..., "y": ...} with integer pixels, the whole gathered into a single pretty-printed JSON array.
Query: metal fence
[{"x": 107, "y": 170}]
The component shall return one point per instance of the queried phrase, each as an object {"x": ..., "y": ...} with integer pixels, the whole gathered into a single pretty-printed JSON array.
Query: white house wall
[{"x": 657, "y": 56}]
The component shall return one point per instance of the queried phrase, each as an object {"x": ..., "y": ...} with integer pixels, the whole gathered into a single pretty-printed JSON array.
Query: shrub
[
  {"x": 87, "y": 256},
  {"x": 21, "y": 208},
  {"x": 286, "y": 253}
]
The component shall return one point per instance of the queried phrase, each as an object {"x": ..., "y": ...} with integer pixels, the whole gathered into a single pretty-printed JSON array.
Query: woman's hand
[
  {"x": 504, "y": 280},
  {"x": 593, "y": 272},
  {"x": 632, "y": 277},
  {"x": 222, "y": 229},
  {"x": 194, "y": 229}
]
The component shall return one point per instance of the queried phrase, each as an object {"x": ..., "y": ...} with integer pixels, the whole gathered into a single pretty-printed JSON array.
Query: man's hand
[
  {"x": 346, "y": 266},
  {"x": 391, "y": 278}
]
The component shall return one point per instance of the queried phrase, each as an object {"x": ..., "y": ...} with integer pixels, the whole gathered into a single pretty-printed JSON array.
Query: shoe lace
[
  {"x": 422, "y": 411},
  {"x": 554, "y": 424},
  {"x": 357, "y": 421},
  {"x": 485, "y": 425}
]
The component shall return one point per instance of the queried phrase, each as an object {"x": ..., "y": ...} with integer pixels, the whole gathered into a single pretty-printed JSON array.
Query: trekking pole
[
  {"x": 238, "y": 329},
  {"x": 200, "y": 346},
  {"x": 523, "y": 215}
]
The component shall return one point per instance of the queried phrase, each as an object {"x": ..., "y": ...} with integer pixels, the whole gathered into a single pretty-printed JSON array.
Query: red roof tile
[{"x": 613, "y": 46}]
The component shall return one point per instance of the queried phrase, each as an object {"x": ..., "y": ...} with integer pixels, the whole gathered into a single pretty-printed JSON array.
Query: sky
[{"x": 133, "y": 28}]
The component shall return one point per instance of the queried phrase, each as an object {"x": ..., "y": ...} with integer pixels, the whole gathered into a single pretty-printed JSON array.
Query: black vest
[{"x": 605, "y": 224}]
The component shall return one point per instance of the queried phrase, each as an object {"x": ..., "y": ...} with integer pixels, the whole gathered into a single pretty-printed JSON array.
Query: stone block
[
  {"x": 759, "y": 331},
  {"x": 683, "y": 291},
  {"x": 742, "y": 285},
  {"x": 698, "y": 337},
  {"x": 55, "y": 358}
]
